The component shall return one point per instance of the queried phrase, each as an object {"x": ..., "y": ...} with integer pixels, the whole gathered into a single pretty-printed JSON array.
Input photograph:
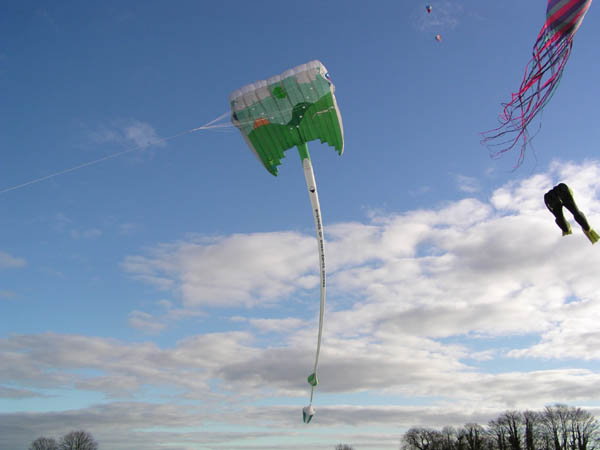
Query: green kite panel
[{"x": 286, "y": 110}]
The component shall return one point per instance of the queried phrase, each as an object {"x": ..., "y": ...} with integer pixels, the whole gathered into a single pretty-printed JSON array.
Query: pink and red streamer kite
[{"x": 542, "y": 75}]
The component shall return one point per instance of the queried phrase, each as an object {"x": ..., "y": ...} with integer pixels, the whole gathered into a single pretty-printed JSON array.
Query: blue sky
[{"x": 168, "y": 297}]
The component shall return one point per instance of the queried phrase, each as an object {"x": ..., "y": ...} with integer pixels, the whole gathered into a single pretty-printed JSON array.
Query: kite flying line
[{"x": 213, "y": 124}]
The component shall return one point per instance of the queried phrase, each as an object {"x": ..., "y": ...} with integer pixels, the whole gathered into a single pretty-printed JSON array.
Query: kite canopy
[
  {"x": 288, "y": 110},
  {"x": 563, "y": 17},
  {"x": 551, "y": 52}
]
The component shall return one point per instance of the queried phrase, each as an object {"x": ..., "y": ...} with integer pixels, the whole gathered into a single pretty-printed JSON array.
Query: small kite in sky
[
  {"x": 438, "y": 37},
  {"x": 290, "y": 110},
  {"x": 428, "y": 8},
  {"x": 559, "y": 196},
  {"x": 542, "y": 75}
]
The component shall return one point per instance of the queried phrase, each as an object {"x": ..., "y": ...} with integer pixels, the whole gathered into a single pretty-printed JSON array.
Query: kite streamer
[{"x": 542, "y": 75}]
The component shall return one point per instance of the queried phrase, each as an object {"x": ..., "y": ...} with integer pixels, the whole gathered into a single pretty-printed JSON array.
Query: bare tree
[
  {"x": 567, "y": 428},
  {"x": 78, "y": 440},
  {"x": 343, "y": 447},
  {"x": 533, "y": 438},
  {"x": 44, "y": 443},
  {"x": 512, "y": 421},
  {"x": 474, "y": 437},
  {"x": 418, "y": 438},
  {"x": 497, "y": 432},
  {"x": 584, "y": 430},
  {"x": 552, "y": 427},
  {"x": 449, "y": 439},
  {"x": 558, "y": 427}
]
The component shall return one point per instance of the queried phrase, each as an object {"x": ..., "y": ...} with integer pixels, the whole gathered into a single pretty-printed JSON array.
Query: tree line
[
  {"x": 557, "y": 427},
  {"x": 75, "y": 440}
]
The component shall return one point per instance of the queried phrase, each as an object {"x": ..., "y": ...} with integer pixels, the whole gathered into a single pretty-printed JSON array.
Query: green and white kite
[{"x": 285, "y": 111}]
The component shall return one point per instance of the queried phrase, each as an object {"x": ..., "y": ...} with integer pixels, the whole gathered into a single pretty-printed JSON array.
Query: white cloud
[
  {"x": 145, "y": 322},
  {"x": 8, "y": 392},
  {"x": 154, "y": 324},
  {"x": 573, "y": 334},
  {"x": 444, "y": 16},
  {"x": 130, "y": 134},
  {"x": 230, "y": 271},
  {"x": 277, "y": 325},
  {"x": 63, "y": 223},
  {"x": 10, "y": 262},
  {"x": 468, "y": 268},
  {"x": 421, "y": 305},
  {"x": 467, "y": 184},
  {"x": 142, "y": 135},
  {"x": 149, "y": 426},
  {"x": 128, "y": 228},
  {"x": 91, "y": 233}
]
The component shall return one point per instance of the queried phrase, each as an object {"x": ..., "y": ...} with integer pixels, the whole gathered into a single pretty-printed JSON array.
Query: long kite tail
[
  {"x": 311, "y": 184},
  {"x": 542, "y": 76}
]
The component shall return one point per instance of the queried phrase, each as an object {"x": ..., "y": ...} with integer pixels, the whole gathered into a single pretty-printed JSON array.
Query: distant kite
[
  {"x": 428, "y": 8},
  {"x": 542, "y": 75},
  {"x": 438, "y": 37},
  {"x": 290, "y": 110}
]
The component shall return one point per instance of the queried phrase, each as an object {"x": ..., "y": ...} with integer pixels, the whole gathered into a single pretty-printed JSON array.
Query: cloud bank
[{"x": 435, "y": 317}]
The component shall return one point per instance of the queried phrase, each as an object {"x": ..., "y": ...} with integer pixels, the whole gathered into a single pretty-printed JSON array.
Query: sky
[{"x": 159, "y": 288}]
